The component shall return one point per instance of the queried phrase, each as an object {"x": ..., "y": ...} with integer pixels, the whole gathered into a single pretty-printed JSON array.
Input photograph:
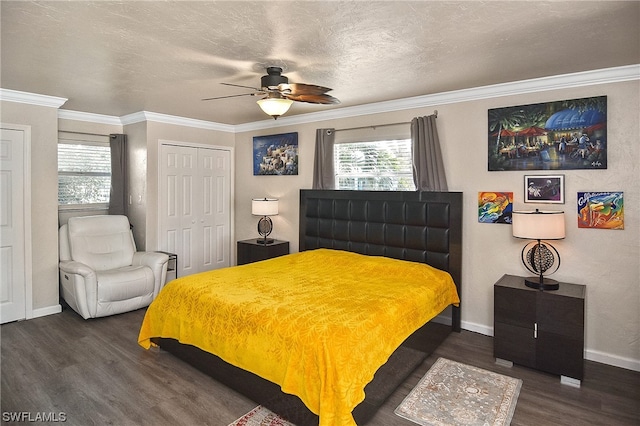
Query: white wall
[{"x": 606, "y": 261}]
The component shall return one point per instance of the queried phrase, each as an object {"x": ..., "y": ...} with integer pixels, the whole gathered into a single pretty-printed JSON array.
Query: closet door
[
  {"x": 194, "y": 207},
  {"x": 214, "y": 176}
]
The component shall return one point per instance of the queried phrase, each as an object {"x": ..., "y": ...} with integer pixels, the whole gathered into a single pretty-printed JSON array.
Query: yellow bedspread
[{"x": 318, "y": 323}]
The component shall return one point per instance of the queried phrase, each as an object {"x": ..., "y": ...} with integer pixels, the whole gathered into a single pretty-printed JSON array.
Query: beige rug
[
  {"x": 452, "y": 393},
  {"x": 261, "y": 416}
]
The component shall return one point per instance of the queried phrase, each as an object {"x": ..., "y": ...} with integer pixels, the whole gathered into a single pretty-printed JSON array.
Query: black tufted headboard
[{"x": 417, "y": 226}]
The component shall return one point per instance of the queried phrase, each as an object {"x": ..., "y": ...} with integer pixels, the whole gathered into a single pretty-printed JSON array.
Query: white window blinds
[
  {"x": 84, "y": 172},
  {"x": 375, "y": 166}
]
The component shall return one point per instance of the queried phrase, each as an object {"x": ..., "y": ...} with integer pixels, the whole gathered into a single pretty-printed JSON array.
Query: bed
[{"x": 344, "y": 365}]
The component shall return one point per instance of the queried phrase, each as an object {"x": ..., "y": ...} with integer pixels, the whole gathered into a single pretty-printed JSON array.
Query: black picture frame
[{"x": 544, "y": 189}]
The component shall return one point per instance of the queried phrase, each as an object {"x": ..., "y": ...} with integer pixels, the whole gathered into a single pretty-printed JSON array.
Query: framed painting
[
  {"x": 544, "y": 189},
  {"x": 495, "y": 207},
  {"x": 561, "y": 135},
  {"x": 602, "y": 210},
  {"x": 275, "y": 154}
]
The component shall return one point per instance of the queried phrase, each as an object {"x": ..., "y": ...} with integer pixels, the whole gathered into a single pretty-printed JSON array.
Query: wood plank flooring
[{"x": 96, "y": 374}]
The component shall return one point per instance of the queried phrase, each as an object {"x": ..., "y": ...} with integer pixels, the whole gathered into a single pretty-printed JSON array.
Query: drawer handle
[{"x": 535, "y": 330}]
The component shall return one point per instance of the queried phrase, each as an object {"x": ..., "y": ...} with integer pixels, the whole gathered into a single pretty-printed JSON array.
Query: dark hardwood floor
[{"x": 96, "y": 374}]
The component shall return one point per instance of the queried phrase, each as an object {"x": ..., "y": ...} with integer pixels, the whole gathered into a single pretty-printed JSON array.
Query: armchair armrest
[
  {"x": 158, "y": 264},
  {"x": 73, "y": 267},
  {"x": 79, "y": 287},
  {"x": 149, "y": 258}
]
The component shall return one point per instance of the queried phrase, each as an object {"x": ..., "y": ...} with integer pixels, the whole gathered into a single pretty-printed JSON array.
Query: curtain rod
[
  {"x": 371, "y": 127},
  {"x": 83, "y": 133},
  {"x": 435, "y": 112}
]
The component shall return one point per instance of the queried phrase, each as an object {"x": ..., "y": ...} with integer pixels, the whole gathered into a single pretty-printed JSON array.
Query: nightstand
[
  {"x": 540, "y": 329},
  {"x": 253, "y": 251}
]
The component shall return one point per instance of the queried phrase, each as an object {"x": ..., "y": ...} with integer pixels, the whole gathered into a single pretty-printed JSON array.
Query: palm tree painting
[{"x": 560, "y": 135}]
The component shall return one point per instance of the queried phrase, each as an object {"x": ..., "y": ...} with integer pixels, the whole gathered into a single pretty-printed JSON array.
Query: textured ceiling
[{"x": 118, "y": 58}]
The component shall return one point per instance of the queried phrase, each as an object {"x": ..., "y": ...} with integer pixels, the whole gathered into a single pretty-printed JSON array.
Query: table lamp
[
  {"x": 264, "y": 207},
  {"x": 537, "y": 256}
]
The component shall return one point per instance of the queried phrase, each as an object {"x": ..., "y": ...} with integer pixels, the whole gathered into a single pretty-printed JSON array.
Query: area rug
[
  {"x": 452, "y": 393},
  {"x": 261, "y": 416}
]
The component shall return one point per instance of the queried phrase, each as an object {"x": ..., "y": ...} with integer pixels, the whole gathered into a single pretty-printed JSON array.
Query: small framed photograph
[{"x": 544, "y": 189}]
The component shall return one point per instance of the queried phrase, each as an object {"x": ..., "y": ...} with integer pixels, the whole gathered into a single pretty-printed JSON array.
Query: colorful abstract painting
[
  {"x": 603, "y": 210},
  {"x": 495, "y": 207}
]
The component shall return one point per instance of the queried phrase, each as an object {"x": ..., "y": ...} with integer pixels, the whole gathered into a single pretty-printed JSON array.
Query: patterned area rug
[
  {"x": 261, "y": 416},
  {"x": 452, "y": 393}
]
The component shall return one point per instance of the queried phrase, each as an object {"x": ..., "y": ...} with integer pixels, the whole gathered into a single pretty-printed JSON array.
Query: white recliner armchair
[{"x": 101, "y": 273}]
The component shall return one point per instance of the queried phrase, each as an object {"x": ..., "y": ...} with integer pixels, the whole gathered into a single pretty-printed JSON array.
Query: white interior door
[
  {"x": 195, "y": 213},
  {"x": 12, "y": 226},
  {"x": 177, "y": 219},
  {"x": 214, "y": 175}
]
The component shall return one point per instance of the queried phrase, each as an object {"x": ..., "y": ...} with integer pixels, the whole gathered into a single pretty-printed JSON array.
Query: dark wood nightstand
[
  {"x": 540, "y": 329},
  {"x": 253, "y": 251}
]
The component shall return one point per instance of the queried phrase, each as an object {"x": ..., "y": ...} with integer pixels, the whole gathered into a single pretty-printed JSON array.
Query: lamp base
[
  {"x": 541, "y": 284},
  {"x": 265, "y": 241}
]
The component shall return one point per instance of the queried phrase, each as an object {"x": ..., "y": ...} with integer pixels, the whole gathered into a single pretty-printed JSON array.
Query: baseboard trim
[
  {"x": 614, "y": 360},
  {"x": 477, "y": 328},
  {"x": 49, "y": 310}
]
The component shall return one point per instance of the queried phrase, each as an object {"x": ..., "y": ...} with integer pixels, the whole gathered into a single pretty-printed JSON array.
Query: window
[
  {"x": 374, "y": 166},
  {"x": 84, "y": 173}
]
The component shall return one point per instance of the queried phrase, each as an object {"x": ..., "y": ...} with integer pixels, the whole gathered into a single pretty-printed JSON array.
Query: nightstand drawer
[
  {"x": 561, "y": 315},
  {"x": 558, "y": 355},
  {"x": 515, "y": 344},
  {"x": 512, "y": 306}
]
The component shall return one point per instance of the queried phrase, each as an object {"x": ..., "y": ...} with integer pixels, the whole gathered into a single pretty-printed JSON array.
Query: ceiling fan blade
[
  {"x": 238, "y": 85},
  {"x": 302, "y": 89},
  {"x": 233, "y": 96},
  {"x": 312, "y": 99},
  {"x": 276, "y": 85}
]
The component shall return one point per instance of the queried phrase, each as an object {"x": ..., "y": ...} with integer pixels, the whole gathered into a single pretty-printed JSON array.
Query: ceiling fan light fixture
[
  {"x": 275, "y": 107},
  {"x": 280, "y": 94}
]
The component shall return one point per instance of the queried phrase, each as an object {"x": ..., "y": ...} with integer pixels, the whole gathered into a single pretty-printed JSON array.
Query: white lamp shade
[
  {"x": 275, "y": 107},
  {"x": 538, "y": 225},
  {"x": 264, "y": 206}
]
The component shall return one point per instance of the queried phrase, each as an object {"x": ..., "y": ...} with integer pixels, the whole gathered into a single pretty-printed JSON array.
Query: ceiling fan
[{"x": 279, "y": 94}]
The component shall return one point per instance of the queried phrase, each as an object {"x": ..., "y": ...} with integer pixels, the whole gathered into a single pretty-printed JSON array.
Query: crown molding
[
  {"x": 31, "y": 98},
  {"x": 565, "y": 81},
  {"x": 136, "y": 117},
  {"x": 175, "y": 120},
  {"x": 89, "y": 117}
]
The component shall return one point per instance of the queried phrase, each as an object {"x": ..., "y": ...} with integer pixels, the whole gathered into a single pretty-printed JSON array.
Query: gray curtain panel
[
  {"x": 118, "y": 195},
  {"x": 323, "y": 175},
  {"x": 428, "y": 168}
]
